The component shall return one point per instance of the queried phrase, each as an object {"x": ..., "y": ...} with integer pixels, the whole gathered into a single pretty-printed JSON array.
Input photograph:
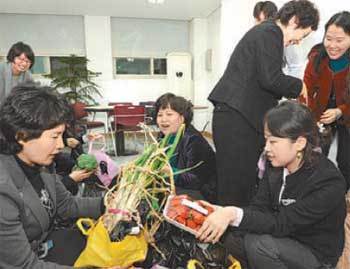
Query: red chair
[
  {"x": 150, "y": 112},
  {"x": 126, "y": 118},
  {"x": 117, "y": 104},
  {"x": 81, "y": 115}
]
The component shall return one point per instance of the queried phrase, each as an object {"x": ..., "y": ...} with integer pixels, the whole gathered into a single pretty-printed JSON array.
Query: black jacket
[
  {"x": 253, "y": 81},
  {"x": 192, "y": 149},
  {"x": 312, "y": 209}
]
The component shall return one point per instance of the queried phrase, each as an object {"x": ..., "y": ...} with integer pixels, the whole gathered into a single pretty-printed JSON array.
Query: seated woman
[
  {"x": 296, "y": 219},
  {"x": 32, "y": 121},
  {"x": 172, "y": 111},
  {"x": 64, "y": 162}
]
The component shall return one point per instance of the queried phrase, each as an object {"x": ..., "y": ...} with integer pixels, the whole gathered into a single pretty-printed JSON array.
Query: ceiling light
[{"x": 156, "y": 2}]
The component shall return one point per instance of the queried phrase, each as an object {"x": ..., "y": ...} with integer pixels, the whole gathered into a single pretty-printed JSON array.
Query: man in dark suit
[{"x": 252, "y": 83}]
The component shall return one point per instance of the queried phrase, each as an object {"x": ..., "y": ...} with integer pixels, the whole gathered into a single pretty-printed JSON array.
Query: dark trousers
[
  {"x": 343, "y": 150},
  {"x": 67, "y": 246},
  {"x": 265, "y": 251},
  {"x": 238, "y": 147}
]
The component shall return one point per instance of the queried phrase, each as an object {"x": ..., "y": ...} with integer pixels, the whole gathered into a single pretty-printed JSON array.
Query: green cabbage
[{"x": 86, "y": 162}]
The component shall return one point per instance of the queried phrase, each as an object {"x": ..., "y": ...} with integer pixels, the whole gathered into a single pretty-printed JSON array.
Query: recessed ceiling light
[{"x": 156, "y": 2}]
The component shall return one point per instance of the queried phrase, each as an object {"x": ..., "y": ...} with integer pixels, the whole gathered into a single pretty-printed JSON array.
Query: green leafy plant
[{"x": 73, "y": 75}]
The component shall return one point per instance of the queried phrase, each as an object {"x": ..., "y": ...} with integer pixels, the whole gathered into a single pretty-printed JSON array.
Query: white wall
[
  {"x": 236, "y": 20},
  {"x": 198, "y": 45},
  {"x": 98, "y": 45}
]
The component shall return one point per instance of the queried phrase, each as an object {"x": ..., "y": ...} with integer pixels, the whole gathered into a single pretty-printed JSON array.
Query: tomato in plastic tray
[{"x": 185, "y": 213}]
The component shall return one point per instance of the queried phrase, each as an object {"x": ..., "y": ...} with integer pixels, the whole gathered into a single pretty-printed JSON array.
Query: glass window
[
  {"x": 39, "y": 66},
  {"x": 159, "y": 66},
  {"x": 133, "y": 66},
  {"x": 57, "y": 63}
]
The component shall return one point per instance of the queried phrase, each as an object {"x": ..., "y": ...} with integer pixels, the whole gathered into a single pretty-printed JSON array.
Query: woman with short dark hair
[
  {"x": 20, "y": 59},
  {"x": 32, "y": 122},
  {"x": 193, "y": 149}
]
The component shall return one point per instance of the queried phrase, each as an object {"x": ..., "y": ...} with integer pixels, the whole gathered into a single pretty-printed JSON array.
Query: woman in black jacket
[
  {"x": 253, "y": 83},
  {"x": 296, "y": 219},
  {"x": 193, "y": 149}
]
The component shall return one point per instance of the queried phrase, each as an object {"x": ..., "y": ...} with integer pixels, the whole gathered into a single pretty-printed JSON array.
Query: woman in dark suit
[
  {"x": 253, "y": 83},
  {"x": 32, "y": 121}
]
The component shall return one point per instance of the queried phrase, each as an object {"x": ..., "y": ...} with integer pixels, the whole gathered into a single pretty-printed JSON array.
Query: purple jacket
[{"x": 192, "y": 149}]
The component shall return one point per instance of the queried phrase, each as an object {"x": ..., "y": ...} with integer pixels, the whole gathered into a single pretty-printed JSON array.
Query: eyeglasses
[{"x": 23, "y": 60}]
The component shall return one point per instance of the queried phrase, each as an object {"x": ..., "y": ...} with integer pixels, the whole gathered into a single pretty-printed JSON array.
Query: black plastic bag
[{"x": 179, "y": 246}]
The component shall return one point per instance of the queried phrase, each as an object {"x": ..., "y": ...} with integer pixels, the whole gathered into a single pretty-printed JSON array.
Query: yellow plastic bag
[
  {"x": 194, "y": 264},
  {"x": 235, "y": 263},
  {"x": 101, "y": 252}
]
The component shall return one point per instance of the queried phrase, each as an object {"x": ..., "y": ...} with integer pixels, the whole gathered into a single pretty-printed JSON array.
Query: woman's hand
[
  {"x": 72, "y": 142},
  {"x": 93, "y": 136},
  {"x": 79, "y": 175},
  {"x": 330, "y": 115},
  {"x": 303, "y": 95},
  {"x": 216, "y": 224}
]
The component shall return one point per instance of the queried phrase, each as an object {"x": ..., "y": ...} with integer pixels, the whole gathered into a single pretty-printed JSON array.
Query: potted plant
[{"x": 73, "y": 75}]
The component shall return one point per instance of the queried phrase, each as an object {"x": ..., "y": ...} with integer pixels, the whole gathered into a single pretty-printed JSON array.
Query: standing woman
[
  {"x": 20, "y": 59},
  {"x": 253, "y": 83},
  {"x": 328, "y": 95}
]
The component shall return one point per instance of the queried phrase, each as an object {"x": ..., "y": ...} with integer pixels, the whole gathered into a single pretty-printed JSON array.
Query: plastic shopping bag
[
  {"x": 101, "y": 252},
  {"x": 107, "y": 168}
]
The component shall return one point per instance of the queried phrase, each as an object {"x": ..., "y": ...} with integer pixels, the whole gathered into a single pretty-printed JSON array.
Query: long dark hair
[
  {"x": 290, "y": 119},
  {"x": 27, "y": 112},
  {"x": 342, "y": 20}
]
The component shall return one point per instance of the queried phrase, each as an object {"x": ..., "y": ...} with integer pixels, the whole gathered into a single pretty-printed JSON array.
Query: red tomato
[{"x": 191, "y": 224}]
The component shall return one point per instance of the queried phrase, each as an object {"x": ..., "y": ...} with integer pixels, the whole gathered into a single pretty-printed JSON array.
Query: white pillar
[
  {"x": 98, "y": 45},
  {"x": 199, "y": 48}
]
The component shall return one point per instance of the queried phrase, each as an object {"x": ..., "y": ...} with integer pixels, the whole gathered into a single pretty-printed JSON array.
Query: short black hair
[
  {"x": 290, "y": 119},
  {"x": 176, "y": 103},
  {"x": 17, "y": 49},
  {"x": 306, "y": 14},
  {"x": 268, "y": 8},
  {"x": 27, "y": 112}
]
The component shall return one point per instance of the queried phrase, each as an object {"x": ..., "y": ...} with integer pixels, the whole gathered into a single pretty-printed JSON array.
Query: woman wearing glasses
[{"x": 20, "y": 59}]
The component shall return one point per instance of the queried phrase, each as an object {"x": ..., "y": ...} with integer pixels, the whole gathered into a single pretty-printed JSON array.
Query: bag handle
[
  {"x": 91, "y": 143},
  {"x": 86, "y": 221}
]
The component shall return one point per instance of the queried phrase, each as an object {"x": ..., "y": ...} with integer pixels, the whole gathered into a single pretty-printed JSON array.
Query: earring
[{"x": 299, "y": 155}]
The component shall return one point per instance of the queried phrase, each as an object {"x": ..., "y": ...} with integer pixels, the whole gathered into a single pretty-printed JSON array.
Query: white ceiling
[{"x": 171, "y": 9}]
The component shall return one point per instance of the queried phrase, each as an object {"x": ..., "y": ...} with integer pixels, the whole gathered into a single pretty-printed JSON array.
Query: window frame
[{"x": 136, "y": 76}]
